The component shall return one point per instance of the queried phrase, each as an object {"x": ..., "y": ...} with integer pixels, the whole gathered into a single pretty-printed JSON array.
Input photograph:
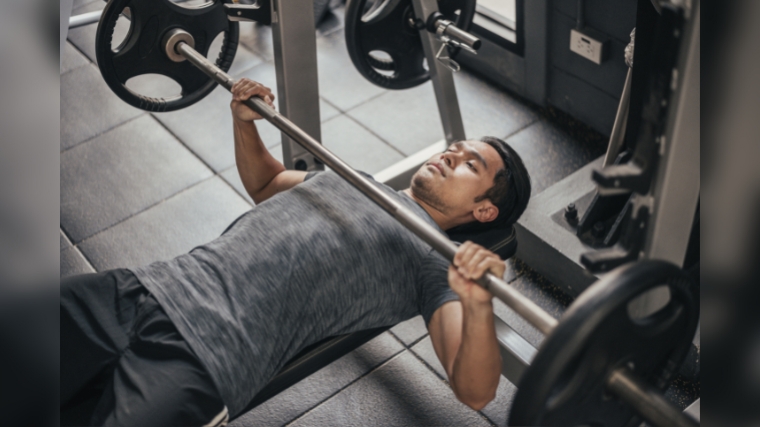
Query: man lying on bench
[{"x": 192, "y": 340}]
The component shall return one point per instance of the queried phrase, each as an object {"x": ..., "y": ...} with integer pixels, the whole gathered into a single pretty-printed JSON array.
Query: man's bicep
[{"x": 445, "y": 328}]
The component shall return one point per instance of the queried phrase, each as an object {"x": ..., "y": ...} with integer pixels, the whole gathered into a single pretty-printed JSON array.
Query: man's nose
[{"x": 448, "y": 158}]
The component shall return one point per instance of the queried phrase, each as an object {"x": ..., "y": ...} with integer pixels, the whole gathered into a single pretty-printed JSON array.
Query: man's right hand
[{"x": 244, "y": 89}]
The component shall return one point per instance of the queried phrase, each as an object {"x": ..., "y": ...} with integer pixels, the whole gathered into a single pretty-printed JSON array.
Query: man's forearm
[
  {"x": 255, "y": 164},
  {"x": 477, "y": 367}
]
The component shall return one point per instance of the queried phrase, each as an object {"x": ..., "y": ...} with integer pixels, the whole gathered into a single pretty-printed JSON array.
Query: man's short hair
[{"x": 510, "y": 191}]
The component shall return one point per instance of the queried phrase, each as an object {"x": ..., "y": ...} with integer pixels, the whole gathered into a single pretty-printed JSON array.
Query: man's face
[{"x": 451, "y": 181}]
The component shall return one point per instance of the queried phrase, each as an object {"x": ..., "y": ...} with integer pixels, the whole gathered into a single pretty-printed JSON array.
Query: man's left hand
[{"x": 471, "y": 262}]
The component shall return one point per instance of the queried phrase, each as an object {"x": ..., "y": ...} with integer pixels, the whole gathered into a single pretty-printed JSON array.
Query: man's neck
[{"x": 443, "y": 221}]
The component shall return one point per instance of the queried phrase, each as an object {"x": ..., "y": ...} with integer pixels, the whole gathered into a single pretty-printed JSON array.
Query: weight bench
[{"x": 311, "y": 359}]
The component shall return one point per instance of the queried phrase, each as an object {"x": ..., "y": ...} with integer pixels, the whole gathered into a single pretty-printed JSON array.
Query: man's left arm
[{"x": 463, "y": 332}]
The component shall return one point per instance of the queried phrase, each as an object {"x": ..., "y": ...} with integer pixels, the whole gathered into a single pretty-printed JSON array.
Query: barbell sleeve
[
  {"x": 646, "y": 400},
  {"x": 84, "y": 19}
]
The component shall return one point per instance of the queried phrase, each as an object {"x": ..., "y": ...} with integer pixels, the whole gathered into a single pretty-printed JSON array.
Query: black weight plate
[
  {"x": 383, "y": 26},
  {"x": 142, "y": 51},
  {"x": 565, "y": 383}
]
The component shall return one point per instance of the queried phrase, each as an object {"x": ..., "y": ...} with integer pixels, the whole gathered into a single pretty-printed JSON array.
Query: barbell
[{"x": 597, "y": 351}]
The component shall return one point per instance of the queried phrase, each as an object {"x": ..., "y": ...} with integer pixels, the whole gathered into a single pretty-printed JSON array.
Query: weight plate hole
[
  {"x": 192, "y": 4},
  {"x": 154, "y": 86},
  {"x": 648, "y": 304},
  {"x": 382, "y": 62},
  {"x": 121, "y": 31}
]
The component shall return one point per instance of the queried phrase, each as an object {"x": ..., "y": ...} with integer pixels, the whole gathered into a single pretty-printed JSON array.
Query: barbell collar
[
  {"x": 441, "y": 27},
  {"x": 647, "y": 400}
]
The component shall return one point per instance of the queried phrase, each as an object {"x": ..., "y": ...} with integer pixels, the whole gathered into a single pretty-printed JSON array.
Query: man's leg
[
  {"x": 158, "y": 381},
  {"x": 95, "y": 309}
]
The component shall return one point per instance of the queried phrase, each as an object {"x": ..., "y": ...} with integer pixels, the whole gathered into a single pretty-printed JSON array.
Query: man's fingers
[
  {"x": 486, "y": 265},
  {"x": 240, "y": 90},
  {"x": 472, "y": 264},
  {"x": 464, "y": 253}
]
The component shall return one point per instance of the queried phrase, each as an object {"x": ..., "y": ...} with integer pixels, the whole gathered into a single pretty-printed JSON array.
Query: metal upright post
[
  {"x": 675, "y": 194},
  {"x": 443, "y": 80},
  {"x": 295, "y": 58},
  {"x": 676, "y": 190}
]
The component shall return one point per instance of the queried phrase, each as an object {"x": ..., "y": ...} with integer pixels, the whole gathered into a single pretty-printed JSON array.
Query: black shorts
[{"x": 124, "y": 363}]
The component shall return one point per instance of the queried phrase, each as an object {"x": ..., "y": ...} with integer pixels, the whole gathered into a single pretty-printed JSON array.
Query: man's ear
[{"x": 486, "y": 211}]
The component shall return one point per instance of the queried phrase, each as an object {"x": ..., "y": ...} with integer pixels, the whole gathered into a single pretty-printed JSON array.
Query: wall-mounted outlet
[{"x": 587, "y": 46}]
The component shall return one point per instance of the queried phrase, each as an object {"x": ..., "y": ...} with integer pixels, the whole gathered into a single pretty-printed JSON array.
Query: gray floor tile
[
  {"x": 88, "y": 107},
  {"x": 120, "y": 173},
  {"x": 498, "y": 409},
  {"x": 339, "y": 82},
  {"x": 488, "y": 110},
  {"x": 72, "y": 58},
  {"x": 232, "y": 177},
  {"x": 410, "y": 331},
  {"x": 357, "y": 146},
  {"x": 402, "y": 392},
  {"x": 257, "y": 38},
  {"x": 206, "y": 128},
  {"x": 407, "y": 119},
  {"x": 65, "y": 243},
  {"x": 318, "y": 387},
  {"x": 191, "y": 218},
  {"x": 72, "y": 263},
  {"x": 551, "y": 151},
  {"x": 424, "y": 349},
  {"x": 327, "y": 111}
]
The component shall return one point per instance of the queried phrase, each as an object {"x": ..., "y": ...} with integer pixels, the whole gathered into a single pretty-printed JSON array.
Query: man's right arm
[{"x": 262, "y": 175}]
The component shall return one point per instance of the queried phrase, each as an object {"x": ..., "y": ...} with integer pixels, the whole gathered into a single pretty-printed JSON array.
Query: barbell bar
[{"x": 642, "y": 397}]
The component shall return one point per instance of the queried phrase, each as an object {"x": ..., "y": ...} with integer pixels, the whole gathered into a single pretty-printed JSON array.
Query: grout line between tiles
[
  {"x": 403, "y": 155},
  {"x": 151, "y": 207},
  {"x": 233, "y": 187},
  {"x": 73, "y": 246},
  {"x": 445, "y": 381},
  {"x": 371, "y": 98},
  {"x": 522, "y": 128},
  {"x": 390, "y": 359},
  {"x": 104, "y": 132},
  {"x": 175, "y": 136}
]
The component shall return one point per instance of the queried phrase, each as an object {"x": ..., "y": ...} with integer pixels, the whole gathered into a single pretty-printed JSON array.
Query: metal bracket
[
  {"x": 450, "y": 36},
  {"x": 260, "y": 12}
]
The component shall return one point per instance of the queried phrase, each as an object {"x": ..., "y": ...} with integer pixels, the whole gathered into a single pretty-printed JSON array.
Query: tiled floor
[{"x": 137, "y": 187}]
